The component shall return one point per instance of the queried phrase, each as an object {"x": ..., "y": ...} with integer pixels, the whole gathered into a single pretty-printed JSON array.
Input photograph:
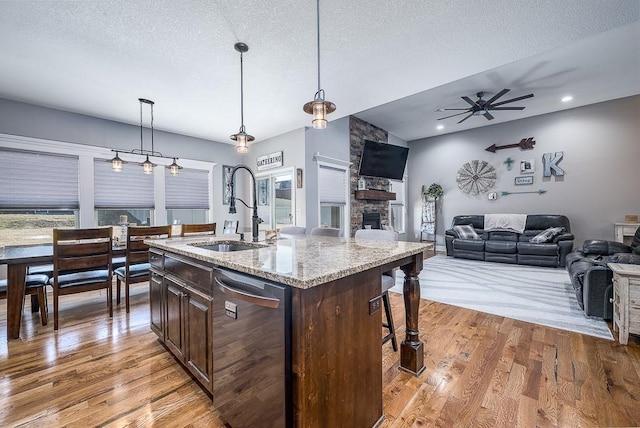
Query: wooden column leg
[
  {"x": 16, "y": 275},
  {"x": 35, "y": 306},
  {"x": 411, "y": 348}
]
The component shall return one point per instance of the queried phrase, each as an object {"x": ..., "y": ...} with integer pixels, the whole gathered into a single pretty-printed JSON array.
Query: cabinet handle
[
  {"x": 610, "y": 299},
  {"x": 267, "y": 302}
]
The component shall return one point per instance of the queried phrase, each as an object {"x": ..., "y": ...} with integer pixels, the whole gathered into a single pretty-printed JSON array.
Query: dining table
[{"x": 18, "y": 259}]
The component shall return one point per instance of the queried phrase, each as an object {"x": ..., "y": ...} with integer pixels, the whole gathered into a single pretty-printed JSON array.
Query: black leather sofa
[
  {"x": 591, "y": 277},
  {"x": 512, "y": 247}
]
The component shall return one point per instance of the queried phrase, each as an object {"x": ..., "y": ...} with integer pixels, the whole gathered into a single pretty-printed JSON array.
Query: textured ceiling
[{"x": 98, "y": 58}]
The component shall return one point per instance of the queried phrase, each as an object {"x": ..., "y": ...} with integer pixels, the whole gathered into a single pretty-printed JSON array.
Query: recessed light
[
  {"x": 439, "y": 127},
  {"x": 566, "y": 99}
]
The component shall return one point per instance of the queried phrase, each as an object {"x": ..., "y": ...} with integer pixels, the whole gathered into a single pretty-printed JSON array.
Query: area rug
[{"x": 537, "y": 295}]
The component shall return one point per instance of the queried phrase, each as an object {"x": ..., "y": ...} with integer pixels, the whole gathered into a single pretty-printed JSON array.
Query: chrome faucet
[{"x": 255, "y": 220}]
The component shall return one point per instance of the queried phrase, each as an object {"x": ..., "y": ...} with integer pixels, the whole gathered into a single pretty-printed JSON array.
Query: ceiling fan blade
[
  {"x": 445, "y": 109},
  {"x": 470, "y": 114},
  {"x": 470, "y": 101},
  {"x": 488, "y": 116},
  {"x": 457, "y": 114},
  {"x": 496, "y": 96},
  {"x": 524, "y": 97},
  {"x": 505, "y": 108}
]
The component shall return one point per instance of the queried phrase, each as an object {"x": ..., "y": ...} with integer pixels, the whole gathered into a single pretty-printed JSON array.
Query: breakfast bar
[{"x": 299, "y": 319}]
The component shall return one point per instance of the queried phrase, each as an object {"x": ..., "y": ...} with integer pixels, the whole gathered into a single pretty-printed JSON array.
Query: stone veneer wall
[{"x": 359, "y": 130}]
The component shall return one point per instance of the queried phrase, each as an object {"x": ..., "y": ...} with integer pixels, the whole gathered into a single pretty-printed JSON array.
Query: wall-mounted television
[{"x": 383, "y": 160}]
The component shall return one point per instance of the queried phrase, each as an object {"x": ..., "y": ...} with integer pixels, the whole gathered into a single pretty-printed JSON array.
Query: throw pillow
[
  {"x": 466, "y": 231},
  {"x": 547, "y": 236}
]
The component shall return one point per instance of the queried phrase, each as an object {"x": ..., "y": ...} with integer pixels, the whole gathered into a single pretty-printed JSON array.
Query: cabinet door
[
  {"x": 155, "y": 304},
  {"x": 198, "y": 336},
  {"x": 174, "y": 317}
]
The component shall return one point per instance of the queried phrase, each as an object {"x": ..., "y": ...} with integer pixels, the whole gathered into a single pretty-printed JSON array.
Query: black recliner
[{"x": 591, "y": 277}]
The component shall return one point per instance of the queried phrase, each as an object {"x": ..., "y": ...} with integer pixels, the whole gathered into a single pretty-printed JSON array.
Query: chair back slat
[
  {"x": 200, "y": 229},
  {"x": 79, "y": 234},
  {"x": 83, "y": 263},
  {"x": 138, "y": 257},
  {"x": 80, "y": 248}
]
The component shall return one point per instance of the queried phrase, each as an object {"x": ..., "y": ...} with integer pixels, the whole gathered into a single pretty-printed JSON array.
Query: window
[
  {"x": 125, "y": 193},
  {"x": 276, "y": 199},
  {"x": 187, "y": 196},
  {"x": 397, "y": 212},
  {"x": 38, "y": 191},
  {"x": 332, "y": 193}
]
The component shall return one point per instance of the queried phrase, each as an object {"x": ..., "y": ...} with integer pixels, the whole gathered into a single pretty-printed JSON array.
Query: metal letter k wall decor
[{"x": 552, "y": 164}]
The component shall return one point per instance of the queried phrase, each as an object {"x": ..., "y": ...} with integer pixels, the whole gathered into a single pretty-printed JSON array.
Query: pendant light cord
[
  {"x": 151, "y": 104},
  {"x": 241, "y": 96},
  {"x": 318, "y": 29}
]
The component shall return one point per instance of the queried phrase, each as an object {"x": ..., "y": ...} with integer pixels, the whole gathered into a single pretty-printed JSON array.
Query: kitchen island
[{"x": 329, "y": 344}]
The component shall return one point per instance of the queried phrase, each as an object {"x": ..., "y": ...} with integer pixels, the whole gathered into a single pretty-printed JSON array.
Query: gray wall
[
  {"x": 332, "y": 142},
  {"x": 293, "y": 148},
  {"x": 601, "y": 155},
  {"x": 29, "y": 120}
]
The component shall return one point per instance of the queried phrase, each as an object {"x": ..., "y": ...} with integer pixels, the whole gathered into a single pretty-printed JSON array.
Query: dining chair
[
  {"x": 35, "y": 284},
  {"x": 81, "y": 262},
  {"x": 293, "y": 230},
  {"x": 198, "y": 229},
  {"x": 136, "y": 268},
  {"x": 230, "y": 226},
  {"x": 388, "y": 281},
  {"x": 326, "y": 231}
]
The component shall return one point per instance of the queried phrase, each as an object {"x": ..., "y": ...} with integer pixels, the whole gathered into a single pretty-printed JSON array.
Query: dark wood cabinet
[
  {"x": 174, "y": 338},
  {"x": 156, "y": 303},
  {"x": 198, "y": 336},
  {"x": 181, "y": 314}
]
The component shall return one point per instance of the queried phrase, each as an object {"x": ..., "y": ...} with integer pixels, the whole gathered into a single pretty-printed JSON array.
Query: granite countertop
[{"x": 301, "y": 262}]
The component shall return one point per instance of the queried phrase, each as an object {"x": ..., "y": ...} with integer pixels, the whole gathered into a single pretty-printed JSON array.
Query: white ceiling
[{"x": 392, "y": 63}]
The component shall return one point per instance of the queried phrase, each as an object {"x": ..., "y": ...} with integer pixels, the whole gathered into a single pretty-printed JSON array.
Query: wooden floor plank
[{"x": 481, "y": 370}]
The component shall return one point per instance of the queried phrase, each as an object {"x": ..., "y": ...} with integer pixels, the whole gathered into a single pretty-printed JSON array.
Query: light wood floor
[{"x": 482, "y": 370}]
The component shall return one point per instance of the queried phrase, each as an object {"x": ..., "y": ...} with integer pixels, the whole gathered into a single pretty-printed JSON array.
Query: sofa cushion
[
  {"x": 537, "y": 249},
  {"x": 469, "y": 244},
  {"x": 547, "y": 236},
  {"x": 502, "y": 247},
  {"x": 502, "y": 235},
  {"x": 466, "y": 231}
]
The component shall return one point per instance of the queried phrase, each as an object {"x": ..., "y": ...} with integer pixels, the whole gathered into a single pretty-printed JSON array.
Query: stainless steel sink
[{"x": 226, "y": 247}]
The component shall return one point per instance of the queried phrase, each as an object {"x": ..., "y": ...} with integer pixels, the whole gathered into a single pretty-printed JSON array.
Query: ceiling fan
[{"x": 482, "y": 107}]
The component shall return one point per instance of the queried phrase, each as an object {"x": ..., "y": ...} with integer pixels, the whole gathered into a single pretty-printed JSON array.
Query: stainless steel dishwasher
[{"x": 251, "y": 351}]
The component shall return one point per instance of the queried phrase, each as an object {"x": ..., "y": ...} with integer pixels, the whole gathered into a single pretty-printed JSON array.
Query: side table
[{"x": 626, "y": 300}]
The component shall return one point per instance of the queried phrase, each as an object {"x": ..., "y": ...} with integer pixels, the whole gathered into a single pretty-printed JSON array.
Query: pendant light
[
  {"x": 242, "y": 138},
  {"x": 147, "y": 165},
  {"x": 174, "y": 168},
  {"x": 116, "y": 163},
  {"x": 319, "y": 108}
]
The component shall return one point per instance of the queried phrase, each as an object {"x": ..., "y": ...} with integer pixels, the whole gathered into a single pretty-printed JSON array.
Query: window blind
[
  {"x": 332, "y": 185},
  {"x": 38, "y": 180},
  {"x": 129, "y": 188},
  {"x": 187, "y": 190}
]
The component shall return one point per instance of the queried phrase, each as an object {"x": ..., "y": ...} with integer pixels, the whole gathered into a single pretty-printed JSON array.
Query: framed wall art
[
  {"x": 524, "y": 180},
  {"x": 527, "y": 166}
]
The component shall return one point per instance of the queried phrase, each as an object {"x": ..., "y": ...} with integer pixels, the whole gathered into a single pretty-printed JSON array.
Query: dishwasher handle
[{"x": 267, "y": 302}]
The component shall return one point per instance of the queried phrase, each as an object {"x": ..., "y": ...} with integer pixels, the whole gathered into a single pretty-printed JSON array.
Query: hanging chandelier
[
  {"x": 242, "y": 138},
  {"x": 147, "y": 165},
  {"x": 319, "y": 108}
]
